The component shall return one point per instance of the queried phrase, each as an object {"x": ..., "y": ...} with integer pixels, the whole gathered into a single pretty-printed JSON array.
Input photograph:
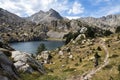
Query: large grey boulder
[
  {"x": 24, "y": 62},
  {"x": 80, "y": 37}
]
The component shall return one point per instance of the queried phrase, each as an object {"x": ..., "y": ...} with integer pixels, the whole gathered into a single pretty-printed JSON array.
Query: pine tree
[{"x": 41, "y": 48}]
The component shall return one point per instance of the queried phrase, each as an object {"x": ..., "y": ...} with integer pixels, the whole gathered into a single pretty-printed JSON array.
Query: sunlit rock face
[{"x": 24, "y": 62}]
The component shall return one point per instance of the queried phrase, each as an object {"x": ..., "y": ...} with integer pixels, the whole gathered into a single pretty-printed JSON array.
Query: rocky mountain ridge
[
  {"x": 44, "y": 17},
  {"x": 14, "y": 28},
  {"x": 109, "y": 22},
  {"x": 9, "y": 17},
  {"x": 43, "y": 25}
]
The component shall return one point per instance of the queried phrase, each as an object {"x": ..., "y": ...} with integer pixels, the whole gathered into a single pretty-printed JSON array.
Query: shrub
[
  {"x": 68, "y": 37},
  {"x": 41, "y": 48},
  {"x": 107, "y": 32},
  {"x": 107, "y": 67},
  {"x": 76, "y": 64},
  {"x": 117, "y": 29},
  {"x": 119, "y": 68},
  {"x": 99, "y": 49},
  {"x": 90, "y": 32},
  {"x": 114, "y": 56}
]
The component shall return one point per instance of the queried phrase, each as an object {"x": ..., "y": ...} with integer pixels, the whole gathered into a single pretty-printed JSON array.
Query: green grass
[{"x": 74, "y": 67}]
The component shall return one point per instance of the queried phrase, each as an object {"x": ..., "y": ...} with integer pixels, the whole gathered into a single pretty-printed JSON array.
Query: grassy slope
[
  {"x": 110, "y": 72},
  {"x": 65, "y": 68}
]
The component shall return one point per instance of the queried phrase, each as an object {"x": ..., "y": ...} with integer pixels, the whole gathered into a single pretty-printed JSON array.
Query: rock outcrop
[
  {"x": 24, "y": 62},
  {"x": 11, "y": 62},
  {"x": 7, "y": 68}
]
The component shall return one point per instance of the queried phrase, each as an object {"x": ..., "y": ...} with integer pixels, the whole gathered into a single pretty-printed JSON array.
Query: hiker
[{"x": 96, "y": 59}]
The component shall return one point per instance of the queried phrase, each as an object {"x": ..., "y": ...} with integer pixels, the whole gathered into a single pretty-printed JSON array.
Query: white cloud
[
  {"x": 72, "y": 17},
  {"x": 76, "y": 8},
  {"x": 29, "y": 7},
  {"x": 18, "y": 7}
]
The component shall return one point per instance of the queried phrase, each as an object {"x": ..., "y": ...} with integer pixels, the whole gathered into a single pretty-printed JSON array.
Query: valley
[{"x": 90, "y": 51}]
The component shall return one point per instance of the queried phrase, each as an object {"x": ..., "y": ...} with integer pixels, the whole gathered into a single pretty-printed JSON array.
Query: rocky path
[{"x": 88, "y": 75}]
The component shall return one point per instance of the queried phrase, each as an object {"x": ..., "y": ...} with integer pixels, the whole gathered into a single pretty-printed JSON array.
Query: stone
[
  {"x": 80, "y": 37},
  {"x": 71, "y": 56},
  {"x": 83, "y": 30},
  {"x": 69, "y": 53},
  {"x": 63, "y": 65},
  {"x": 44, "y": 55},
  {"x": 60, "y": 53},
  {"x": 24, "y": 62},
  {"x": 19, "y": 64}
]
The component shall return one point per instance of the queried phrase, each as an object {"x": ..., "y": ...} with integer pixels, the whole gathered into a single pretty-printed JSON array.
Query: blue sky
[{"x": 67, "y": 8}]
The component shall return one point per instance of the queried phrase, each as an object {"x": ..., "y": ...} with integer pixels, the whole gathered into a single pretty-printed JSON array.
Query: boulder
[
  {"x": 24, "y": 62},
  {"x": 71, "y": 56},
  {"x": 45, "y": 56},
  {"x": 83, "y": 30},
  {"x": 60, "y": 53},
  {"x": 80, "y": 37}
]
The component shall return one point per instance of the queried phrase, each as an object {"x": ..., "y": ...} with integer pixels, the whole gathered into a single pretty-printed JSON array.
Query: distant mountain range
[
  {"x": 46, "y": 24},
  {"x": 110, "y": 22}
]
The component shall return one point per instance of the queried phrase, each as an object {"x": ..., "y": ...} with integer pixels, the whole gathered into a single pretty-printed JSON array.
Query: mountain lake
[{"x": 31, "y": 46}]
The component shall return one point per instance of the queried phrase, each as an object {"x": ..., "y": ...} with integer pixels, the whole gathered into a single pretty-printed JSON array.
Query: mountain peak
[
  {"x": 2, "y": 10},
  {"x": 48, "y": 16},
  {"x": 52, "y": 10},
  {"x": 41, "y": 11}
]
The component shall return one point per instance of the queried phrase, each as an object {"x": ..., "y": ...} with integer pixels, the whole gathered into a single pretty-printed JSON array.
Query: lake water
[{"x": 31, "y": 47}]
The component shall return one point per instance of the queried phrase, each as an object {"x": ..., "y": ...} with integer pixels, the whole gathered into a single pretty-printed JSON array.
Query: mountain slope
[
  {"x": 7, "y": 17},
  {"x": 14, "y": 28}
]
